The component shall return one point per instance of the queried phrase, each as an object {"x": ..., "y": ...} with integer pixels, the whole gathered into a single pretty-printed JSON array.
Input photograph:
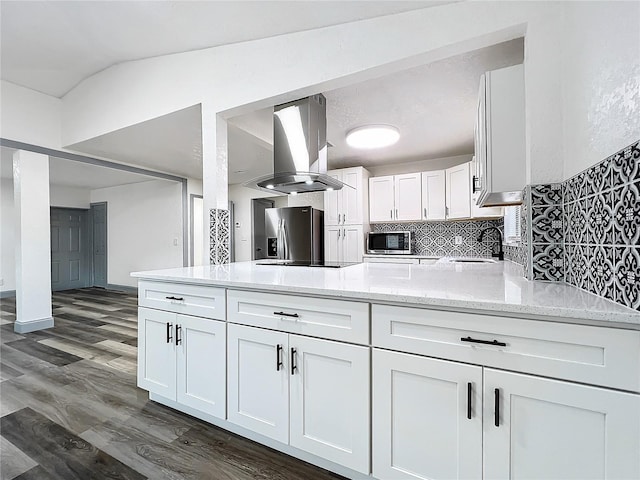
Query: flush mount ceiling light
[{"x": 372, "y": 136}]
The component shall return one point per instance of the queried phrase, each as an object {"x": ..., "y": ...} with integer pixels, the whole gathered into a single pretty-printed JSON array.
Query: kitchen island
[{"x": 400, "y": 371}]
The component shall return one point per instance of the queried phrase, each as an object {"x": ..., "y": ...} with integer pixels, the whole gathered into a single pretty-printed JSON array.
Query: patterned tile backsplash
[
  {"x": 586, "y": 230},
  {"x": 438, "y": 238}
]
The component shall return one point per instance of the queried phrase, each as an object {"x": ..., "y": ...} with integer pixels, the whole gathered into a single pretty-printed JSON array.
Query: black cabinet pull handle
[
  {"x": 294, "y": 367},
  {"x": 474, "y": 184},
  {"x": 285, "y": 314},
  {"x": 278, "y": 357},
  {"x": 178, "y": 339},
  {"x": 180, "y": 299},
  {"x": 496, "y": 408},
  {"x": 484, "y": 342},
  {"x": 469, "y": 394},
  {"x": 169, "y": 327}
]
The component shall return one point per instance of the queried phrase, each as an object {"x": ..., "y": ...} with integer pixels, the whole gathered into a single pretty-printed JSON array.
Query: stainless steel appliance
[
  {"x": 389, "y": 243},
  {"x": 295, "y": 234},
  {"x": 299, "y": 149}
]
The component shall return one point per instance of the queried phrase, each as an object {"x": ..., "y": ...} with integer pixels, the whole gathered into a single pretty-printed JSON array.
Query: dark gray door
[
  {"x": 99, "y": 227},
  {"x": 259, "y": 237},
  {"x": 70, "y": 249}
]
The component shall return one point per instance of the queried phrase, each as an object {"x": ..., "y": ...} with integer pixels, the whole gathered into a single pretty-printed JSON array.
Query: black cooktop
[{"x": 292, "y": 263}]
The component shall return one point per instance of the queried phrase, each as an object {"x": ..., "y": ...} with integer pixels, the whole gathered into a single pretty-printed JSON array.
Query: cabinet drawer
[
  {"x": 317, "y": 317},
  {"x": 196, "y": 300},
  {"x": 594, "y": 355}
]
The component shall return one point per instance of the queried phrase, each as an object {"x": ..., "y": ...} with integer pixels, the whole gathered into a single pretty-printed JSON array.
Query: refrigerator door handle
[{"x": 285, "y": 247}]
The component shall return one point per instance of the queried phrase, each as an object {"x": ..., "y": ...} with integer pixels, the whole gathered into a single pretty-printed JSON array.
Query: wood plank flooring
[{"x": 70, "y": 407}]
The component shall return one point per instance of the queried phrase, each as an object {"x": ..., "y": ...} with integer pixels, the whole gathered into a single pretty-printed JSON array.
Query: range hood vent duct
[{"x": 299, "y": 149}]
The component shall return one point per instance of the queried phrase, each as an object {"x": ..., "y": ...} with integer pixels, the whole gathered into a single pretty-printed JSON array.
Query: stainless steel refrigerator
[{"x": 295, "y": 234}]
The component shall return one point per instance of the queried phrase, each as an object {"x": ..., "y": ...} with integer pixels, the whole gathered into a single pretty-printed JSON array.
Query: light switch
[
  {"x": 175, "y": 242},
  {"x": 458, "y": 240}
]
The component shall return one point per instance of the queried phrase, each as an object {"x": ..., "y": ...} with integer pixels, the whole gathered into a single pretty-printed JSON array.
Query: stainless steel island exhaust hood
[{"x": 299, "y": 149}]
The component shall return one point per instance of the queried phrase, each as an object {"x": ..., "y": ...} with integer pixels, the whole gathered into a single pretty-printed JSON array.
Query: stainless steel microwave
[{"x": 389, "y": 243}]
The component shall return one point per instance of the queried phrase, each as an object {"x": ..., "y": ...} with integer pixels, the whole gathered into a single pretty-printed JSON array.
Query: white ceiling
[
  {"x": 171, "y": 143},
  {"x": 69, "y": 173},
  {"x": 51, "y": 46},
  {"x": 433, "y": 106}
]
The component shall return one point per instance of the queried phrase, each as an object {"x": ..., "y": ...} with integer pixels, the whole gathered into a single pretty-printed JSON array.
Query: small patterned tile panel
[{"x": 219, "y": 237}]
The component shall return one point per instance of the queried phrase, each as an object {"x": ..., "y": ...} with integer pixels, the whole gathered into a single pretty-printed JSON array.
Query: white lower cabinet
[
  {"x": 311, "y": 393},
  {"x": 427, "y": 418},
  {"x": 169, "y": 346},
  {"x": 258, "y": 381},
  {"x": 437, "y": 419},
  {"x": 550, "y": 429}
]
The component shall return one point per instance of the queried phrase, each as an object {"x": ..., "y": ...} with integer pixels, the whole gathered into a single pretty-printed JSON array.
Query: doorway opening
[{"x": 258, "y": 230}]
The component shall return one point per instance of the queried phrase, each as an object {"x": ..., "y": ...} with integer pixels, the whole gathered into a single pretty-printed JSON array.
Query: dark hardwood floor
[{"x": 70, "y": 408}]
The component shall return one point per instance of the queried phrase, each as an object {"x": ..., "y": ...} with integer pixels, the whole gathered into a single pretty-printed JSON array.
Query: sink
[{"x": 471, "y": 260}]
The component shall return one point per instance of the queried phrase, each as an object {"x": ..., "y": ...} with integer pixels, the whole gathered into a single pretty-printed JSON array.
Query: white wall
[
  {"x": 7, "y": 238},
  {"x": 601, "y": 82},
  {"x": 143, "y": 219},
  {"x": 29, "y": 116},
  {"x": 419, "y": 166},
  {"x": 69, "y": 197}
]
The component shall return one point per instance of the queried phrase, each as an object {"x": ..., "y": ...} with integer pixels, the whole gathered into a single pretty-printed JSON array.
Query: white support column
[
  {"x": 33, "y": 242},
  {"x": 215, "y": 186}
]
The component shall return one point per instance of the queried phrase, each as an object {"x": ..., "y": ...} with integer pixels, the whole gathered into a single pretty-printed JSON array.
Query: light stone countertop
[{"x": 497, "y": 288}]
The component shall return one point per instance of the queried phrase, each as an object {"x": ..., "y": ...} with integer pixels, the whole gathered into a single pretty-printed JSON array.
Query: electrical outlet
[
  {"x": 457, "y": 240},
  {"x": 1, "y": 282},
  {"x": 175, "y": 242}
]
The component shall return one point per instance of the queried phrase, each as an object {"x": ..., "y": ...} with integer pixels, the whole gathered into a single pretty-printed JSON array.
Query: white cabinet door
[
  {"x": 332, "y": 243},
  {"x": 381, "y": 199},
  {"x": 433, "y": 195},
  {"x": 330, "y": 401},
  {"x": 201, "y": 364},
  {"x": 352, "y": 196},
  {"x": 352, "y": 243},
  {"x": 549, "y": 429},
  {"x": 458, "y": 187},
  {"x": 427, "y": 418},
  {"x": 157, "y": 352},
  {"x": 408, "y": 196},
  {"x": 258, "y": 381},
  {"x": 332, "y": 203}
]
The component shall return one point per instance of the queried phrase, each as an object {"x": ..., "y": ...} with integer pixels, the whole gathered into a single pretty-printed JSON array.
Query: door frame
[
  {"x": 192, "y": 199},
  {"x": 106, "y": 245},
  {"x": 253, "y": 202}
]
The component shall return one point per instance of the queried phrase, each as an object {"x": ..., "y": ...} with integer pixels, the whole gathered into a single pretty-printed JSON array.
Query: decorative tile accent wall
[
  {"x": 545, "y": 232},
  {"x": 219, "y": 236},
  {"x": 602, "y": 228},
  {"x": 438, "y": 238}
]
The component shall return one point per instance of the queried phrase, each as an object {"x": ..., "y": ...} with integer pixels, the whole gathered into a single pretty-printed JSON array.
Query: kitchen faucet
[{"x": 500, "y": 253}]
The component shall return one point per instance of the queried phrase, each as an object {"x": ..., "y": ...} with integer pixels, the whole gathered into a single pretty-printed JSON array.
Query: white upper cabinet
[
  {"x": 500, "y": 137},
  {"x": 343, "y": 244},
  {"x": 458, "y": 191},
  {"x": 347, "y": 206},
  {"x": 395, "y": 198},
  {"x": 408, "y": 197},
  {"x": 381, "y": 199},
  {"x": 476, "y": 210},
  {"x": 433, "y": 195}
]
